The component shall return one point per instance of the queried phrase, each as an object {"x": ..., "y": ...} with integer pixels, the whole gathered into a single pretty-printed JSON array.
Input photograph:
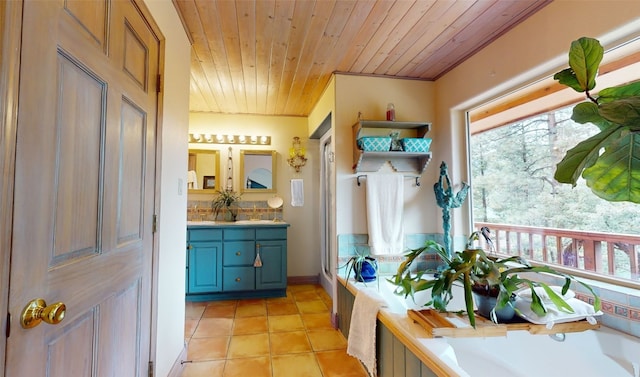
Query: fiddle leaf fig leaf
[
  {"x": 618, "y": 92},
  {"x": 583, "y": 156},
  {"x": 623, "y": 111},
  {"x": 616, "y": 174},
  {"x": 567, "y": 77},
  {"x": 588, "y": 112},
  {"x": 585, "y": 56}
]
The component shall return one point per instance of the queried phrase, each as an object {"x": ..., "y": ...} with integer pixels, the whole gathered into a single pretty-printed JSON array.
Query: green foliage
[
  {"x": 473, "y": 269},
  {"x": 356, "y": 263},
  {"x": 224, "y": 200},
  {"x": 612, "y": 174}
]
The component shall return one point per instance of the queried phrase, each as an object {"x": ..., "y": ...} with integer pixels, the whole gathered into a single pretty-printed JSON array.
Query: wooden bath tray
[{"x": 443, "y": 324}]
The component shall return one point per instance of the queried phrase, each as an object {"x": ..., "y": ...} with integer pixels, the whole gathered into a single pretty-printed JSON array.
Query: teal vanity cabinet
[
  {"x": 222, "y": 262},
  {"x": 204, "y": 260},
  {"x": 272, "y": 245}
]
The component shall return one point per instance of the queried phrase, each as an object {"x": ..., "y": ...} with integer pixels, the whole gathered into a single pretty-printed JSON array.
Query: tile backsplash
[
  {"x": 620, "y": 305},
  {"x": 200, "y": 210}
]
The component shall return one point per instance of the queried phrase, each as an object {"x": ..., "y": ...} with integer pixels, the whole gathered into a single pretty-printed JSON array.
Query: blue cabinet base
[{"x": 265, "y": 293}]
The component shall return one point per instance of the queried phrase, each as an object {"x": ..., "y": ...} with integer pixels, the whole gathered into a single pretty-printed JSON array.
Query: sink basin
[
  {"x": 203, "y": 223},
  {"x": 253, "y": 222}
]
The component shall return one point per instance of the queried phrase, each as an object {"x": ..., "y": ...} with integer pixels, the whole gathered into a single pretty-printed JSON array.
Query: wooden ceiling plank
[
  {"x": 202, "y": 84},
  {"x": 206, "y": 84},
  {"x": 321, "y": 70},
  {"x": 411, "y": 18},
  {"x": 435, "y": 39},
  {"x": 321, "y": 15},
  {"x": 282, "y": 29},
  {"x": 403, "y": 51},
  {"x": 396, "y": 14},
  {"x": 215, "y": 61},
  {"x": 478, "y": 33},
  {"x": 374, "y": 19},
  {"x": 246, "y": 13},
  {"x": 227, "y": 17},
  {"x": 358, "y": 15},
  {"x": 299, "y": 27},
  {"x": 265, "y": 24},
  {"x": 197, "y": 101}
]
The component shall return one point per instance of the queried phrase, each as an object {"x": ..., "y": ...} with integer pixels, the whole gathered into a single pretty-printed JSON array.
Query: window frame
[{"x": 547, "y": 95}]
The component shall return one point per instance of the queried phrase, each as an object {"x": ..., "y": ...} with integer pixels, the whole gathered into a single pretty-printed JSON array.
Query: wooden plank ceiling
[{"x": 276, "y": 57}]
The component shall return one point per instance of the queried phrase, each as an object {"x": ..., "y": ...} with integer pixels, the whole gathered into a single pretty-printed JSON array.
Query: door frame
[
  {"x": 153, "y": 321},
  {"x": 10, "y": 48}
]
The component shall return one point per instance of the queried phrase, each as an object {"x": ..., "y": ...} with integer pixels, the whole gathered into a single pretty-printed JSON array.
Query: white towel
[
  {"x": 361, "y": 343},
  {"x": 297, "y": 192},
  {"x": 385, "y": 201},
  {"x": 192, "y": 179}
]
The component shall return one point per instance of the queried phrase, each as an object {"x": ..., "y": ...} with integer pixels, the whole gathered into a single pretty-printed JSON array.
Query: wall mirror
[
  {"x": 257, "y": 171},
  {"x": 204, "y": 171}
]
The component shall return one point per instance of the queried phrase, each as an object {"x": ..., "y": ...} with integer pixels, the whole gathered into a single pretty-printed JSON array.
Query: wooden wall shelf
[{"x": 400, "y": 161}]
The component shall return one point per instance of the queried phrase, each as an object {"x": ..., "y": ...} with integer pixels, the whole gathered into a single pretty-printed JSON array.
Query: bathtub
[{"x": 592, "y": 353}]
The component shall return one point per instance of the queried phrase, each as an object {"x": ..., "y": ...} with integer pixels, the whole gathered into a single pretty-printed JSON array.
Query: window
[{"x": 513, "y": 154}]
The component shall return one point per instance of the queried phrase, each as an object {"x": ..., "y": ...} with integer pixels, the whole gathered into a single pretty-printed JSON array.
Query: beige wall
[
  {"x": 535, "y": 49},
  {"x": 303, "y": 236},
  {"x": 414, "y": 101},
  {"x": 170, "y": 262}
]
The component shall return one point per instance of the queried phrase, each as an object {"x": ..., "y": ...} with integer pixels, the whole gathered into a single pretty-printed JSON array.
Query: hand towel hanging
[
  {"x": 297, "y": 192},
  {"x": 385, "y": 201}
]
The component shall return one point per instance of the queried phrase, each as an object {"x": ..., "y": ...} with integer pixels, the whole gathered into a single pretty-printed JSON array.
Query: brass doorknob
[{"x": 37, "y": 311}]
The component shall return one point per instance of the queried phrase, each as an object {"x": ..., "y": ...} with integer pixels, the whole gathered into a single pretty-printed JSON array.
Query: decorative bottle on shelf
[{"x": 391, "y": 112}]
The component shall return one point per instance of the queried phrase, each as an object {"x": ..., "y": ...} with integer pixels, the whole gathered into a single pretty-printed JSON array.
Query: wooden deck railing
[{"x": 604, "y": 253}]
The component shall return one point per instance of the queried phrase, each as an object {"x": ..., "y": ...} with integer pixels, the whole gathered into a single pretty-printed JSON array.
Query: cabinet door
[
  {"x": 273, "y": 273},
  {"x": 205, "y": 267}
]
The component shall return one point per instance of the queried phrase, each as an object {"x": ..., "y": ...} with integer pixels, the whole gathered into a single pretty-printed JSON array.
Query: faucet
[{"x": 255, "y": 216}]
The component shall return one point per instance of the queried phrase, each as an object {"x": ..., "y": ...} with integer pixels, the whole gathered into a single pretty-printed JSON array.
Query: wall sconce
[
  {"x": 297, "y": 154},
  {"x": 229, "y": 139}
]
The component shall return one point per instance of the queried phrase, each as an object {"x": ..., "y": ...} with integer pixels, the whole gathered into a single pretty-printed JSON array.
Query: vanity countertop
[{"x": 243, "y": 223}]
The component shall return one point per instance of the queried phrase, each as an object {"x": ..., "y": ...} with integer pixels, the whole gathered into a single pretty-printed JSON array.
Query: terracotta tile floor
[{"x": 277, "y": 337}]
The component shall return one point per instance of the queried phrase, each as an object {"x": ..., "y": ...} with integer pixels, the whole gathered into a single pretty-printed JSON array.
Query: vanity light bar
[{"x": 229, "y": 139}]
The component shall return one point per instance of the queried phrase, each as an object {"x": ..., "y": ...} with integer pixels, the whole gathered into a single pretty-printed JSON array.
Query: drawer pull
[
  {"x": 238, "y": 280},
  {"x": 237, "y": 253}
]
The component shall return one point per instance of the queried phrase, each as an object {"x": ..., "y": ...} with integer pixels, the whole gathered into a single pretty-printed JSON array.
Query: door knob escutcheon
[{"x": 37, "y": 311}]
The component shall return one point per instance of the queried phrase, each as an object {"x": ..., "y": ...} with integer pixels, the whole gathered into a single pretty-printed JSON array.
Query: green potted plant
[
  {"x": 608, "y": 160},
  {"x": 225, "y": 201},
  {"x": 363, "y": 267},
  {"x": 481, "y": 274}
]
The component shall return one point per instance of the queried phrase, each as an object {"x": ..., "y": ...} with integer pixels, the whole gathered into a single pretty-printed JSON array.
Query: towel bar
[{"x": 417, "y": 178}]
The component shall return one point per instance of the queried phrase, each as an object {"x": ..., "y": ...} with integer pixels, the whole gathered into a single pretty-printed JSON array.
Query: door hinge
[
  {"x": 7, "y": 330},
  {"x": 150, "y": 369},
  {"x": 158, "y": 83},
  {"x": 154, "y": 224}
]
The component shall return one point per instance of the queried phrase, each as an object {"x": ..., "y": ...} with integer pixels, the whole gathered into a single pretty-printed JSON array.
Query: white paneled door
[{"x": 84, "y": 190}]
